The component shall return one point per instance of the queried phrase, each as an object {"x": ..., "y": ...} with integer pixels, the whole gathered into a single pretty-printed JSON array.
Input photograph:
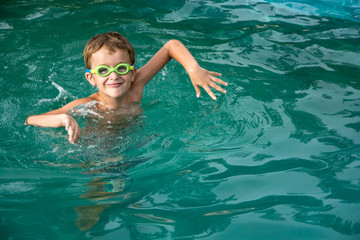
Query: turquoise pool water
[{"x": 277, "y": 157}]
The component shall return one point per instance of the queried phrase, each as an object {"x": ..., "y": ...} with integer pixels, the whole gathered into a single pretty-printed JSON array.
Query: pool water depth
[{"x": 277, "y": 157}]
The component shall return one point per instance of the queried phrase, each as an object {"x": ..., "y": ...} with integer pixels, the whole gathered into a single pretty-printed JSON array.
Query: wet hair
[{"x": 111, "y": 40}]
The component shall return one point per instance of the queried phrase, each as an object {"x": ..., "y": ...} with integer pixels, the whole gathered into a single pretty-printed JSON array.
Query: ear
[
  {"x": 134, "y": 74},
  {"x": 90, "y": 78}
]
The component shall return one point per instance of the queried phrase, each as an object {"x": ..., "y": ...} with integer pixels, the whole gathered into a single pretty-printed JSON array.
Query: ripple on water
[
  {"x": 5, "y": 26},
  {"x": 279, "y": 150}
]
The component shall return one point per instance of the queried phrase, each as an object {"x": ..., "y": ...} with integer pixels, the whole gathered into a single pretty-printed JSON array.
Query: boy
[{"x": 109, "y": 59}]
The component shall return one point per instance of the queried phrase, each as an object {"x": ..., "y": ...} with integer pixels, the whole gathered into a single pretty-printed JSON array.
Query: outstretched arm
[
  {"x": 56, "y": 120},
  {"x": 59, "y": 118},
  {"x": 199, "y": 76}
]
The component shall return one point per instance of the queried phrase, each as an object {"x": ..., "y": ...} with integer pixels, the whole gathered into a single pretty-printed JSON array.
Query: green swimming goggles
[{"x": 103, "y": 70}]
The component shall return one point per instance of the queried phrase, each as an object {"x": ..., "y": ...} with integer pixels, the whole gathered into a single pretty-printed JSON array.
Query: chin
[{"x": 117, "y": 93}]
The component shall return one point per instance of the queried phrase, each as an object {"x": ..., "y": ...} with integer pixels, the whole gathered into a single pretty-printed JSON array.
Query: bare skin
[{"x": 118, "y": 91}]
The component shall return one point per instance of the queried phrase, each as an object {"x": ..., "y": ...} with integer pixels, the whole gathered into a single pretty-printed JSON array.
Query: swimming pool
[{"x": 277, "y": 157}]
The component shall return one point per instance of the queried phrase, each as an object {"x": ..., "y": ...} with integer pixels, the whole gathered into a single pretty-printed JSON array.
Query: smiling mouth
[{"x": 114, "y": 85}]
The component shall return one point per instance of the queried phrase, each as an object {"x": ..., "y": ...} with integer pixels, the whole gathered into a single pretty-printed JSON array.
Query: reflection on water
[
  {"x": 100, "y": 190},
  {"x": 277, "y": 157}
]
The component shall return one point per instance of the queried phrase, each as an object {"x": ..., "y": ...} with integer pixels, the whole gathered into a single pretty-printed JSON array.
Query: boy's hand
[
  {"x": 201, "y": 77},
  {"x": 72, "y": 127}
]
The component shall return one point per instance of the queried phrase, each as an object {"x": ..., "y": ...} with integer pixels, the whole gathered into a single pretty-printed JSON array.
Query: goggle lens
[
  {"x": 122, "y": 69},
  {"x": 103, "y": 71}
]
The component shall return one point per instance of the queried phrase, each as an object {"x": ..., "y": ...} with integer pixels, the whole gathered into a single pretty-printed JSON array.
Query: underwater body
[{"x": 276, "y": 157}]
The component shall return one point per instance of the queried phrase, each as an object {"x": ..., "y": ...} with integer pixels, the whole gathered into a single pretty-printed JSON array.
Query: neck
[{"x": 113, "y": 103}]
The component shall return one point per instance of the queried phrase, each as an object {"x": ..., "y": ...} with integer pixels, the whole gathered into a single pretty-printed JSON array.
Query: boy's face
[{"x": 113, "y": 85}]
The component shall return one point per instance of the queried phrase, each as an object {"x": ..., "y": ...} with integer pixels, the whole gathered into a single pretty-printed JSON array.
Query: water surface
[{"x": 277, "y": 157}]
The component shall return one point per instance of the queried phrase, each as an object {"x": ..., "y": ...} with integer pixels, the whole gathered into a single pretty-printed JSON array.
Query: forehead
[{"x": 106, "y": 57}]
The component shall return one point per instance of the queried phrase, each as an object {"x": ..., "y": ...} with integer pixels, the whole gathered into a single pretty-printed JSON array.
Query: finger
[
  {"x": 71, "y": 134},
  {"x": 211, "y": 94},
  {"x": 197, "y": 90},
  {"x": 77, "y": 133},
  {"x": 217, "y": 87},
  {"x": 219, "y": 81},
  {"x": 215, "y": 74}
]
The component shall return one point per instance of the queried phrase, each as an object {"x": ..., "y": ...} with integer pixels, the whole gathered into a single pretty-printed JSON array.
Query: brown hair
[{"x": 111, "y": 40}]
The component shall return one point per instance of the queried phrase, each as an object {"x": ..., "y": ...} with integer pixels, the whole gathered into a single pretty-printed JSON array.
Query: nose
[{"x": 113, "y": 75}]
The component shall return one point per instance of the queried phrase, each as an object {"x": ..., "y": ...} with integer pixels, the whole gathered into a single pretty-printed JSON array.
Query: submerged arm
[{"x": 199, "y": 76}]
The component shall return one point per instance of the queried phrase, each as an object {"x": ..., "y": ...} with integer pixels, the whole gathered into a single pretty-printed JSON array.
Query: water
[{"x": 277, "y": 157}]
